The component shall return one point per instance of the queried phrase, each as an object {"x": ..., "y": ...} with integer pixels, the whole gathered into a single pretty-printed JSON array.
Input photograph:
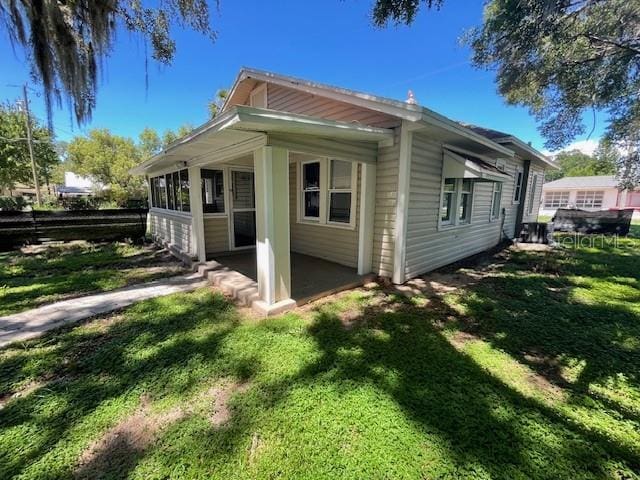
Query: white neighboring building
[
  {"x": 76, "y": 186},
  {"x": 587, "y": 193}
]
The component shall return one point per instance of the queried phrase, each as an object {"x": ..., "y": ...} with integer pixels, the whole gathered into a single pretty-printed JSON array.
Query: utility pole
[{"x": 30, "y": 142}]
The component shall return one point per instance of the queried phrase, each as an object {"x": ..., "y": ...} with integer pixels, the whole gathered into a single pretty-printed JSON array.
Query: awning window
[{"x": 463, "y": 165}]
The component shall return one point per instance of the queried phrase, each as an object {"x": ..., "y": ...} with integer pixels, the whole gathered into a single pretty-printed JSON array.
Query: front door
[{"x": 243, "y": 209}]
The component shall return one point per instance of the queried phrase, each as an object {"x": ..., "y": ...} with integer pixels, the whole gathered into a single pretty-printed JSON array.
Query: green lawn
[
  {"x": 526, "y": 367},
  {"x": 43, "y": 274}
]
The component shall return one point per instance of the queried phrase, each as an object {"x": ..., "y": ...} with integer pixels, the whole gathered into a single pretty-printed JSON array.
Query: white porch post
[
  {"x": 367, "y": 210},
  {"x": 271, "y": 169},
  {"x": 198, "y": 247}
]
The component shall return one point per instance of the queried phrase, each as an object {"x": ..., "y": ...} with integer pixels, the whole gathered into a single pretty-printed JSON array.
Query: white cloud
[{"x": 584, "y": 146}]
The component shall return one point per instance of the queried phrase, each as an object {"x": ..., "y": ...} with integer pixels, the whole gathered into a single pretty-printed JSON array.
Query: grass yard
[
  {"x": 43, "y": 274},
  {"x": 525, "y": 367}
]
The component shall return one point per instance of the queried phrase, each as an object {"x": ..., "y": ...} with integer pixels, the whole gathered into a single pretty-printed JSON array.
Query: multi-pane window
[
  {"x": 496, "y": 200},
  {"x": 185, "y": 200},
  {"x": 517, "y": 187},
  {"x": 340, "y": 191},
  {"x": 212, "y": 191},
  {"x": 464, "y": 208},
  {"x": 448, "y": 195},
  {"x": 170, "y": 191},
  {"x": 311, "y": 190},
  {"x": 532, "y": 197},
  {"x": 457, "y": 201},
  {"x": 589, "y": 198},
  {"x": 327, "y": 192},
  {"x": 556, "y": 199}
]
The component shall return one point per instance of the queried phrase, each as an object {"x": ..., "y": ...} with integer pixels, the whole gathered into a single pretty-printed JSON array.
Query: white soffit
[
  {"x": 458, "y": 165},
  {"x": 242, "y": 125}
]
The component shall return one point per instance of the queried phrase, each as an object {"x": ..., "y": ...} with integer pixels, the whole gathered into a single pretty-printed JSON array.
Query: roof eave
[{"x": 528, "y": 148}]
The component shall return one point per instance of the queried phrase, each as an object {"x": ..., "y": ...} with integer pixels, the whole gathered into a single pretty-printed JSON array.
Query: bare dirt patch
[
  {"x": 115, "y": 453},
  {"x": 219, "y": 411}
]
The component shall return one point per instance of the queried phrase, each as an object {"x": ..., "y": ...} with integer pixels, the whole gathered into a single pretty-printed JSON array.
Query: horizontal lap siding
[
  {"x": 427, "y": 247},
  {"x": 339, "y": 245},
  {"x": 216, "y": 234},
  {"x": 385, "y": 210},
  {"x": 172, "y": 229},
  {"x": 290, "y": 100}
]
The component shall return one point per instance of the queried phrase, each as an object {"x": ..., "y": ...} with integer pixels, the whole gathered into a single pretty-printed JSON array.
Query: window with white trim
[
  {"x": 589, "y": 198},
  {"x": 311, "y": 190},
  {"x": 327, "y": 191},
  {"x": 340, "y": 191},
  {"x": 517, "y": 186},
  {"x": 556, "y": 199},
  {"x": 496, "y": 200},
  {"x": 170, "y": 191},
  {"x": 456, "y": 201}
]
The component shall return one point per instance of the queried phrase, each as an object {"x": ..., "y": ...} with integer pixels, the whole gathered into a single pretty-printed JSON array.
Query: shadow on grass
[
  {"x": 84, "y": 370},
  {"x": 473, "y": 425}
]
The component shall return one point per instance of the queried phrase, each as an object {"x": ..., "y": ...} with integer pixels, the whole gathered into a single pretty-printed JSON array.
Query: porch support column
[
  {"x": 271, "y": 169},
  {"x": 367, "y": 210},
  {"x": 198, "y": 246}
]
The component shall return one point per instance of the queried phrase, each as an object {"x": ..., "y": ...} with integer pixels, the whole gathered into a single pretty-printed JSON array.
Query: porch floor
[{"x": 311, "y": 277}]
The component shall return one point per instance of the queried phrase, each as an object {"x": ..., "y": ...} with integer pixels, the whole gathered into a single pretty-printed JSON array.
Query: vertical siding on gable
[
  {"x": 339, "y": 245},
  {"x": 290, "y": 100},
  {"x": 216, "y": 234},
  {"x": 385, "y": 209},
  {"x": 427, "y": 247},
  {"x": 172, "y": 229}
]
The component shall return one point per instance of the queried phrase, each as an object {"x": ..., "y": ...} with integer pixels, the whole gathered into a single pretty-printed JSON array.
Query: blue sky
[{"x": 330, "y": 41}]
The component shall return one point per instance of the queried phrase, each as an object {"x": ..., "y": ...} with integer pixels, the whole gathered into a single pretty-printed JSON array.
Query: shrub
[{"x": 12, "y": 204}]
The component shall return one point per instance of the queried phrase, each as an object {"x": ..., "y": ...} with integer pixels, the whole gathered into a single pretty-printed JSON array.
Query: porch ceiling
[{"x": 249, "y": 127}]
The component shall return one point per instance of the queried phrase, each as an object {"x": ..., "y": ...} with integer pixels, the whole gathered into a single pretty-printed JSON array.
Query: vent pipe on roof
[{"x": 411, "y": 99}]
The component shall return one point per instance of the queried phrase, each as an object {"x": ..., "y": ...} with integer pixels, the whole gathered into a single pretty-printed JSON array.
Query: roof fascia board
[
  {"x": 371, "y": 102},
  {"x": 441, "y": 121},
  {"x": 412, "y": 113},
  {"x": 528, "y": 148}
]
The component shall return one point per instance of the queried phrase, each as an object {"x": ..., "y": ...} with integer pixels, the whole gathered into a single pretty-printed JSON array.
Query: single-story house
[
  {"x": 599, "y": 192},
  {"x": 292, "y": 171}
]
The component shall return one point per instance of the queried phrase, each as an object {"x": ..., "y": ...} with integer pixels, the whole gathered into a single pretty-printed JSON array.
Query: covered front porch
[
  {"x": 292, "y": 198},
  {"x": 311, "y": 277}
]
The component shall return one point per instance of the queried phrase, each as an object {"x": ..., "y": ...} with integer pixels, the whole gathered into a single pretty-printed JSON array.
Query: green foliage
[
  {"x": 54, "y": 273},
  {"x": 12, "y": 204},
  {"x": 577, "y": 164},
  {"x": 107, "y": 158},
  {"x": 562, "y": 60},
  {"x": 67, "y": 42},
  {"x": 529, "y": 370},
  {"x": 149, "y": 143},
  {"x": 216, "y": 104},
  {"x": 400, "y": 11},
  {"x": 15, "y": 162},
  {"x": 169, "y": 136}
]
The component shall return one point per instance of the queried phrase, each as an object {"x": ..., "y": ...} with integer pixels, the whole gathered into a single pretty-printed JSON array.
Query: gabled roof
[
  {"x": 402, "y": 110},
  {"x": 596, "y": 181},
  {"x": 504, "y": 138}
]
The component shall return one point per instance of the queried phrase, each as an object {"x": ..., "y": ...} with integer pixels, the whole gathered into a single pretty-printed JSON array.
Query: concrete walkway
[{"x": 33, "y": 323}]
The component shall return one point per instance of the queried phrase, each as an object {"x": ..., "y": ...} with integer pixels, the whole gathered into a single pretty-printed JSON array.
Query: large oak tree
[
  {"x": 564, "y": 60},
  {"x": 67, "y": 41}
]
